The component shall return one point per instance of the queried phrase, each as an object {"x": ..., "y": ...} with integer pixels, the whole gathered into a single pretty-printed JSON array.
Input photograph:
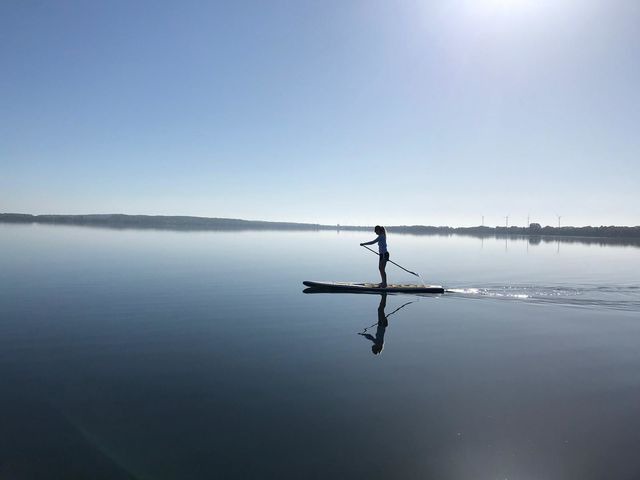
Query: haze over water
[{"x": 161, "y": 354}]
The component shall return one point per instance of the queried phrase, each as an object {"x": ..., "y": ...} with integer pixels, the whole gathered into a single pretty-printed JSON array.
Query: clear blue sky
[{"x": 352, "y": 112}]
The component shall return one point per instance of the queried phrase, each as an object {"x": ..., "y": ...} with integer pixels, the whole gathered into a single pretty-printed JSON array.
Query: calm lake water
[{"x": 190, "y": 355}]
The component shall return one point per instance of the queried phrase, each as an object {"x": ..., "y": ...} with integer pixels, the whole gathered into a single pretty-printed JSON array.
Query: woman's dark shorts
[{"x": 384, "y": 257}]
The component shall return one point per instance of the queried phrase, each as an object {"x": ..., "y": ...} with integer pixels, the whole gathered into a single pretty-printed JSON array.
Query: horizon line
[{"x": 336, "y": 225}]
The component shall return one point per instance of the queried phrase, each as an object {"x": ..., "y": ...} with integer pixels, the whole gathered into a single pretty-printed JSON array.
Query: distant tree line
[
  {"x": 205, "y": 223},
  {"x": 155, "y": 222},
  {"x": 533, "y": 229}
]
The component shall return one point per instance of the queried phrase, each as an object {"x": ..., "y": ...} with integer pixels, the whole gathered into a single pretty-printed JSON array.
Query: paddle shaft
[
  {"x": 391, "y": 261},
  {"x": 387, "y": 316}
]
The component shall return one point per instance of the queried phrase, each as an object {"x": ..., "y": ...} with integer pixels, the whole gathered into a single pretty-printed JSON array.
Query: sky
[{"x": 351, "y": 112}]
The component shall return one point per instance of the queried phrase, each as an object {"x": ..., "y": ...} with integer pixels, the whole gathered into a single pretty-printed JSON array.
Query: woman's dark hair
[{"x": 380, "y": 230}]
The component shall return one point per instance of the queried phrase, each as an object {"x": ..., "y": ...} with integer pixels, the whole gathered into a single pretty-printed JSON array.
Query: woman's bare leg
[{"x": 382, "y": 265}]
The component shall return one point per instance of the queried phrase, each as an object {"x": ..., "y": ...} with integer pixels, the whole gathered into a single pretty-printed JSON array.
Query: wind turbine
[
  {"x": 559, "y": 217},
  {"x": 506, "y": 219}
]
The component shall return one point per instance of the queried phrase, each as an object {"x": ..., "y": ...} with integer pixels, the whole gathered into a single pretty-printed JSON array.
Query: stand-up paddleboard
[{"x": 372, "y": 287}]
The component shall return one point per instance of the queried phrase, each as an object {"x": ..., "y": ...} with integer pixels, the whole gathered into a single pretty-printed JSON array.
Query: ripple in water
[{"x": 619, "y": 297}]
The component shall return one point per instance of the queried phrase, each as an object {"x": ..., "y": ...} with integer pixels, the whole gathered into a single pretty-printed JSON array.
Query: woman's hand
[{"x": 362, "y": 244}]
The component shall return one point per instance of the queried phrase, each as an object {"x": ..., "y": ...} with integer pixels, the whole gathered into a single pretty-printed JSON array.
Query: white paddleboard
[{"x": 372, "y": 287}]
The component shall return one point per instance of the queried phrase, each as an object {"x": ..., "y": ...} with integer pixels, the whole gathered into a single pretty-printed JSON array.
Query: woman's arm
[{"x": 371, "y": 242}]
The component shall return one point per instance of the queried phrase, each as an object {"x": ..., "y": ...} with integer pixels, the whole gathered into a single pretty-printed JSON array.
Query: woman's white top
[{"x": 382, "y": 244}]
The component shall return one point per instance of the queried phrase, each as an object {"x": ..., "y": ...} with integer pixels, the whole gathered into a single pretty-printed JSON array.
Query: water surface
[{"x": 187, "y": 355}]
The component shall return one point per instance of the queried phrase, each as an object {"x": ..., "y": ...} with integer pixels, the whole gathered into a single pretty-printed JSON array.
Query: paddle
[{"x": 399, "y": 266}]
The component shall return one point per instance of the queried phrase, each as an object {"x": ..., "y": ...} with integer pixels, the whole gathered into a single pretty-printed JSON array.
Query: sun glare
[
  {"x": 496, "y": 10},
  {"x": 507, "y": 4}
]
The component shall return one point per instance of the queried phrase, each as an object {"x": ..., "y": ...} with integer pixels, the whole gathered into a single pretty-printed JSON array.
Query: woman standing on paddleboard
[{"x": 381, "y": 240}]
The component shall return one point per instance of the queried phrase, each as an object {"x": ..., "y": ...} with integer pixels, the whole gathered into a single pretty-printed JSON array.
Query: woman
[{"x": 381, "y": 240}]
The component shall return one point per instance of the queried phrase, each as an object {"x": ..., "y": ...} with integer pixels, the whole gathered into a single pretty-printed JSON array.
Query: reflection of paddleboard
[{"x": 372, "y": 287}]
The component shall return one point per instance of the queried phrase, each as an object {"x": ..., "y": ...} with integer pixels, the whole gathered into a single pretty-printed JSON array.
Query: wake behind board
[{"x": 372, "y": 287}]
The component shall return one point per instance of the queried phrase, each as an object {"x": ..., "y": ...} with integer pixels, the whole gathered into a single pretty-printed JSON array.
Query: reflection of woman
[
  {"x": 378, "y": 340},
  {"x": 381, "y": 240}
]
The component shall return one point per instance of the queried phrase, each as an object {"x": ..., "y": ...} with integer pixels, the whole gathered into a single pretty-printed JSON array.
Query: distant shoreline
[{"x": 162, "y": 222}]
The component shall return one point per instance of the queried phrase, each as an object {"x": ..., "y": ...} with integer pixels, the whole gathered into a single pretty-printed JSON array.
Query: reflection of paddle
[
  {"x": 386, "y": 316},
  {"x": 399, "y": 266}
]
